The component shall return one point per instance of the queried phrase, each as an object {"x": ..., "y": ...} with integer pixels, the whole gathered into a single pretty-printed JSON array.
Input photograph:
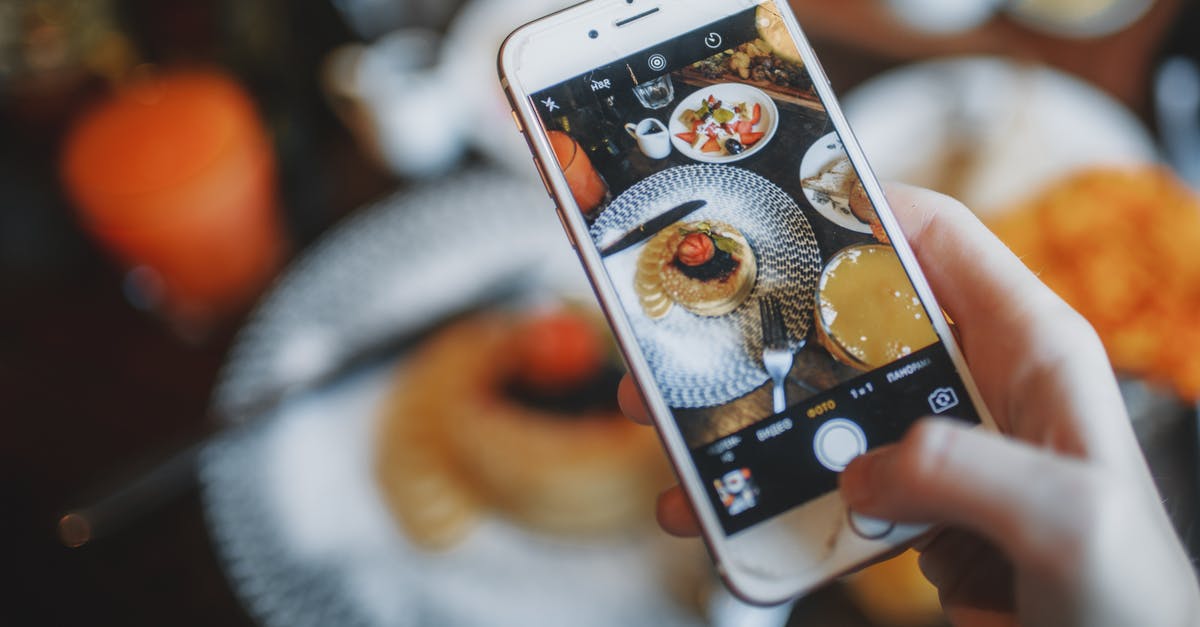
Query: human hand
[{"x": 1058, "y": 524}]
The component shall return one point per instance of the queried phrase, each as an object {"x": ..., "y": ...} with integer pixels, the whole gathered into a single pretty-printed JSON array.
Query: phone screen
[{"x": 780, "y": 325}]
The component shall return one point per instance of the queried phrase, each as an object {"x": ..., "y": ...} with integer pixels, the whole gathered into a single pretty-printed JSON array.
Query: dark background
[{"x": 89, "y": 384}]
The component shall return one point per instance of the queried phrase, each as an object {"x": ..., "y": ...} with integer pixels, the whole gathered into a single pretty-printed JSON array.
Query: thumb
[{"x": 1023, "y": 499}]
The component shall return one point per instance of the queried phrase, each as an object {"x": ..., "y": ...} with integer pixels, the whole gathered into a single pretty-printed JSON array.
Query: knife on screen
[{"x": 651, "y": 227}]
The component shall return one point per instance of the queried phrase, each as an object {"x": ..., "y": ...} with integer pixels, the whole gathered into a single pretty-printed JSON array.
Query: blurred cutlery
[{"x": 155, "y": 483}]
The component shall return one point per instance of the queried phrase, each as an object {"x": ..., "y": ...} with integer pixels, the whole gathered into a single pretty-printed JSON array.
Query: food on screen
[
  {"x": 648, "y": 278},
  {"x": 724, "y": 128},
  {"x": 707, "y": 267},
  {"x": 515, "y": 414},
  {"x": 867, "y": 311},
  {"x": 756, "y": 61},
  {"x": 864, "y": 210},
  {"x": 835, "y": 180},
  {"x": 838, "y": 181}
]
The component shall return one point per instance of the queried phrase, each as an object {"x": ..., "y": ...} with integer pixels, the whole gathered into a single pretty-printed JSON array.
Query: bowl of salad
[{"x": 724, "y": 123}]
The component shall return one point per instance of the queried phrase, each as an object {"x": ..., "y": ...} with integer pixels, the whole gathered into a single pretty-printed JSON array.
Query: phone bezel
[{"x": 810, "y": 544}]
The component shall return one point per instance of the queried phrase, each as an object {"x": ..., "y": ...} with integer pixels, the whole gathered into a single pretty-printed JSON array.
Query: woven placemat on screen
[{"x": 698, "y": 361}]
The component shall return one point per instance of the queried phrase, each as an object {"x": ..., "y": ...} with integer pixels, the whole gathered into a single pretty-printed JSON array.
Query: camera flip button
[
  {"x": 837, "y": 442},
  {"x": 869, "y": 528}
]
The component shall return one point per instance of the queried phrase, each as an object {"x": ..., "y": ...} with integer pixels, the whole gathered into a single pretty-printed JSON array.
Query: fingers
[
  {"x": 1025, "y": 501},
  {"x": 630, "y": 399},
  {"x": 675, "y": 514},
  {"x": 973, "y": 273},
  {"x": 1026, "y": 347}
]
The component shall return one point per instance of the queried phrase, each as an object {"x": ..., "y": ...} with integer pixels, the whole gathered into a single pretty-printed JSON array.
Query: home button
[{"x": 869, "y": 528}]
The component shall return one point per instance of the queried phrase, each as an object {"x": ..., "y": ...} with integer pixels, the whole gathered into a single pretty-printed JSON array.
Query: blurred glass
[
  {"x": 48, "y": 39},
  {"x": 174, "y": 176}
]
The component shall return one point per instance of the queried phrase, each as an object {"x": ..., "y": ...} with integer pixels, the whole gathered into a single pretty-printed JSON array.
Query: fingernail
[{"x": 855, "y": 481}]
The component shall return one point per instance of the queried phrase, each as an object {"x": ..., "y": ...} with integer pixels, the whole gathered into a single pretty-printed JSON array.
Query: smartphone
[{"x": 762, "y": 293}]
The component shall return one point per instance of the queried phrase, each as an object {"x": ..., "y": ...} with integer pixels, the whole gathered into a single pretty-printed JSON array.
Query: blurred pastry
[
  {"x": 1122, "y": 246},
  {"x": 867, "y": 313},
  {"x": 515, "y": 414},
  {"x": 895, "y": 593},
  {"x": 707, "y": 267}
]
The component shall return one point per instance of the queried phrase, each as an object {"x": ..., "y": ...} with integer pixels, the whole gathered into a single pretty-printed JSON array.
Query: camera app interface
[{"x": 781, "y": 328}]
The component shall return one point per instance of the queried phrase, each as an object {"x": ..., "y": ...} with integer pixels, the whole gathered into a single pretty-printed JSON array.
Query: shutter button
[{"x": 837, "y": 442}]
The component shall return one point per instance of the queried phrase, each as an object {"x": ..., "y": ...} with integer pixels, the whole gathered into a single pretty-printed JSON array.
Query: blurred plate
[
  {"x": 1079, "y": 18},
  {"x": 825, "y": 151},
  {"x": 726, "y": 93},
  {"x": 990, "y": 131},
  {"x": 708, "y": 361},
  {"x": 296, "y": 518}
]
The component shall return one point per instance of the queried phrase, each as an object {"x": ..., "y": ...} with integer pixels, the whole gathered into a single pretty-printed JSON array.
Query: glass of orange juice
[
  {"x": 174, "y": 175},
  {"x": 587, "y": 187}
]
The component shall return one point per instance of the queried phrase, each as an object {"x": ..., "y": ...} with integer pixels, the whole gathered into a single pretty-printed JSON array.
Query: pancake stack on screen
[{"x": 706, "y": 267}]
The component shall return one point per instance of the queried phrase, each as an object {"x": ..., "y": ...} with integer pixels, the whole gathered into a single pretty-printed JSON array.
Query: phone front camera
[{"x": 593, "y": 33}]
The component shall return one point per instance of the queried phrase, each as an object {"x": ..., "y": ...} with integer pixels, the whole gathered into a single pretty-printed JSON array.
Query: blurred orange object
[
  {"x": 894, "y": 592},
  {"x": 175, "y": 176},
  {"x": 586, "y": 185},
  {"x": 1122, "y": 246}
]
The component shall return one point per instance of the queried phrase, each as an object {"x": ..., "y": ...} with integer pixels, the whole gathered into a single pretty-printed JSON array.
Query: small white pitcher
[{"x": 652, "y": 137}]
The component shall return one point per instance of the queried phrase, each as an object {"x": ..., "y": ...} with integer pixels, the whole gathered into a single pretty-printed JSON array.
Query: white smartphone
[{"x": 762, "y": 293}]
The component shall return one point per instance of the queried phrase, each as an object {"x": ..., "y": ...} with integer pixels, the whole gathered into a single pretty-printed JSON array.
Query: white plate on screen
[
  {"x": 819, "y": 156},
  {"x": 727, "y": 93},
  {"x": 1027, "y": 126}
]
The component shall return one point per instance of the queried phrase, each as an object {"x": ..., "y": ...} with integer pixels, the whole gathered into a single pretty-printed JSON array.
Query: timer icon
[{"x": 713, "y": 40}]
